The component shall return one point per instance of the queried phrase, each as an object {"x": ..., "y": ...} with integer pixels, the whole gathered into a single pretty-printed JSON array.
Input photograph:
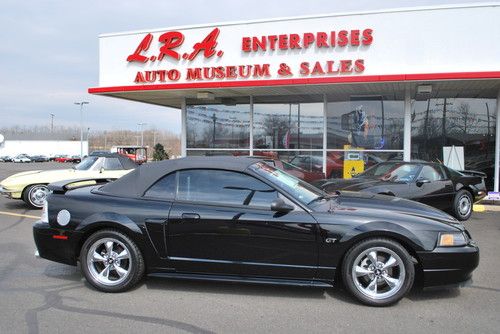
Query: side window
[
  {"x": 164, "y": 188},
  {"x": 430, "y": 173},
  {"x": 442, "y": 171},
  {"x": 112, "y": 164},
  {"x": 224, "y": 187}
]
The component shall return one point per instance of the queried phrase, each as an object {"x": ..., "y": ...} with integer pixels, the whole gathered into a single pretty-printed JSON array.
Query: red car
[
  {"x": 298, "y": 172},
  {"x": 314, "y": 163},
  {"x": 63, "y": 158}
]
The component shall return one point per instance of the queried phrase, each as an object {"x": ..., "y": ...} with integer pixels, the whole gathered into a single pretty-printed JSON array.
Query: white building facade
[{"x": 403, "y": 83}]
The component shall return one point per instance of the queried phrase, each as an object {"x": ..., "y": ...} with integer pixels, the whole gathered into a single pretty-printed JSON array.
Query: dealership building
[{"x": 336, "y": 92}]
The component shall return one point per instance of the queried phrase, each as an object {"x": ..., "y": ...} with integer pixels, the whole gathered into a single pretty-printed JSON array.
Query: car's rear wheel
[
  {"x": 462, "y": 205},
  {"x": 378, "y": 271},
  {"x": 35, "y": 195},
  {"x": 111, "y": 261}
]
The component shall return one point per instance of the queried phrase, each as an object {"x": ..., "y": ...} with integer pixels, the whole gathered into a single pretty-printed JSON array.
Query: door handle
[
  {"x": 190, "y": 216},
  {"x": 155, "y": 220}
]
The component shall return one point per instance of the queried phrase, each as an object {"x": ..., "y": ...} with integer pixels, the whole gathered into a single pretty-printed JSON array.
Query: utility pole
[
  {"x": 52, "y": 123},
  {"x": 214, "y": 118},
  {"x": 488, "y": 124},
  {"x": 142, "y": 132},
  {"x": 444, "y": 104},
  {"x": 81, "y": 126}
]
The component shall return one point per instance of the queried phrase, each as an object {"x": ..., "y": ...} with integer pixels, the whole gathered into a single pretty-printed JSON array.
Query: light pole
[
  {"x": 81, "y": 126},
  {"x": 52, "y": 123},
  {"x": 142, "y": 132}
]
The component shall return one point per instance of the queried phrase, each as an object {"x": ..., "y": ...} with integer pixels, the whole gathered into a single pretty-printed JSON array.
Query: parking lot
[{"x": 39, "y": 296}]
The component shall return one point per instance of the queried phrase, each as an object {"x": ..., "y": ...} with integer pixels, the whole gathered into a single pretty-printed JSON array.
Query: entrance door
[{"x": 221, "y": 223}]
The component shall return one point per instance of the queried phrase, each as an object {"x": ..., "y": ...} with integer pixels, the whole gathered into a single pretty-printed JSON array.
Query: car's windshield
[
  {"x": 392, "y": 171},
  {"x": 86, "y": 163},
  {"x": 300, "y": 190}
]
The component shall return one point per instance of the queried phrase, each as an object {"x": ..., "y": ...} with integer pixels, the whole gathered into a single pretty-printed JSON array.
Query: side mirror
[
  {"x": 101, "y": 170},
  {"x": 421, "y": 182},
  {"x": 279, "y": 205}
]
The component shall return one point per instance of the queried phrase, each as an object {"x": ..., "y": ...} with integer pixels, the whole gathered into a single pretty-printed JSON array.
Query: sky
[{"x": 49, "y": 52}]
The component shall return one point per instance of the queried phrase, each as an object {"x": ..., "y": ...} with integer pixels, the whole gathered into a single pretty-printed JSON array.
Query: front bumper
[
  {"x": 56, "y": 244},
  {"x": 10, "y": 193},
  {"x": 449, "y": 265}
]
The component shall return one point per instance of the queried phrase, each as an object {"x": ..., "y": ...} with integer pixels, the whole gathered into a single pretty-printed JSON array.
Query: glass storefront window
[
  {"x": 469, "y": 123},
  {"x": 212, "y": 153},
  {"x": 218, "y": 126},
  {"x": 288, "y": 125},
  {"x": 305, "y": 165},
  {"x": 337, "y": 165},
  {"x": 366, "y": 122}
]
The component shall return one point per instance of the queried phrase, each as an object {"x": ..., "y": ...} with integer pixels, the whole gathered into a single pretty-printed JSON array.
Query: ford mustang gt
[{"x": 240, "y": 219}]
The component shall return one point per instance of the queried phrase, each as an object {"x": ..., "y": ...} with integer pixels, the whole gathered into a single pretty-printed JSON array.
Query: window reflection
[
  {"x": 369, "y": 122},
  {"x": 460, "y": 122},
  {"x": 218, "y": 126},
  {"x": 288, "y": 125}
]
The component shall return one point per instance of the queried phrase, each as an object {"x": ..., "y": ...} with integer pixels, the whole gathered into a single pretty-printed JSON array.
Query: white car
[{"x": 21, "y": 158}]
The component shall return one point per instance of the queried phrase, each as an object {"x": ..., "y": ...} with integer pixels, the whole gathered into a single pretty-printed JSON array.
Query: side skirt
[{"x": 240, "y": 279}]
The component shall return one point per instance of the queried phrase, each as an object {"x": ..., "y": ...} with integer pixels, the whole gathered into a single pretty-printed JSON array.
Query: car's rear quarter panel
[{"x": 91, "y": 212}]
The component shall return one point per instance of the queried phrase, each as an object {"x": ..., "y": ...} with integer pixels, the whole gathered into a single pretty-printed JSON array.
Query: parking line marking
[{"x": 18, "y": 215}]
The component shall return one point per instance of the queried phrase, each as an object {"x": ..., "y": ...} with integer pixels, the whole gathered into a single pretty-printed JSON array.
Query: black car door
[
  {"x": 221, "y": 223},
  {"x": 433, "y": 187}
]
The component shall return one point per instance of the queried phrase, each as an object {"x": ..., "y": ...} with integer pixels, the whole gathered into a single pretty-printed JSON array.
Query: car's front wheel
[
  {"x": 35, "y": 195},
  {"x": 462, "y": 205},
  {"x": 111, "y": 261},
  {"x": 378, "y": 271}
]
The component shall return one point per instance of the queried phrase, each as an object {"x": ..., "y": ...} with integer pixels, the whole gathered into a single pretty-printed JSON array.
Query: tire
[
  {"x": 462, "y": 205},
  {"x": 361, "y": 278},
  {"x": 116, "y": 273},
  {"x": 35, "y": 194}
]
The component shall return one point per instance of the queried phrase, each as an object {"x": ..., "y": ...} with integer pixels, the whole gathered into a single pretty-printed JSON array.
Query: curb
[{"x": 484, "y": 208}]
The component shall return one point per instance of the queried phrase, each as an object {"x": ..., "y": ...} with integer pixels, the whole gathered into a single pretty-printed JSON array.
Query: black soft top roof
[{"x": 139, "y": 180}]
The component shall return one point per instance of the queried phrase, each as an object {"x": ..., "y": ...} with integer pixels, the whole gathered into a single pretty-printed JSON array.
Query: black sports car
[
  {"x": 430, "y": 183},
  {"x": 239, "y": 219}
]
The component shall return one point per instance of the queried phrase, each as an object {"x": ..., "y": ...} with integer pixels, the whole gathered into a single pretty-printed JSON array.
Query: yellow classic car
[{"x": 31, "y": 186}]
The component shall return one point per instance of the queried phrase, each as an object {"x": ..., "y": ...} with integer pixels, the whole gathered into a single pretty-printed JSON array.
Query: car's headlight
[
  {"x": 45, "y": 213},
  {"x": 452, "y": 239}
]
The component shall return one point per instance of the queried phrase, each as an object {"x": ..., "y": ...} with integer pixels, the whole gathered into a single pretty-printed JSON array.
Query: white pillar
[
  {"x": 183, "y": 128},
  {"x": 251, "y": 125},
  {"x": 325, "y": 128},
  {"x": 407, "y": 126},
  {"x": 497, "y": 147}
]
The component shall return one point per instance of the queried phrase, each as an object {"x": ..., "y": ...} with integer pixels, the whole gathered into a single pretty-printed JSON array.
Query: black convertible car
[
  {"x": 427, "y": 182},
  {"x": 239, "y": 219}
]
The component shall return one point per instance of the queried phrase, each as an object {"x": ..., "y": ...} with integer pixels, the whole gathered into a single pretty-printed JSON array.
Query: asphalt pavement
[{"x": 39, "y": 296}]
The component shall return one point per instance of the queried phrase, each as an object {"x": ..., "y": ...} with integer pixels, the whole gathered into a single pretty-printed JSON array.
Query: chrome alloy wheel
[
  {"x": 378, "y": 273},
  {"x": 109, "y": 261},
  {"x": 38, "y": 194},
  {"x": 464, "y": 205}
]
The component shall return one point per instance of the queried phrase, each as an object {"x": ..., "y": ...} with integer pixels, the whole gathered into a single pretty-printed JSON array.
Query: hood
[
  {"x": 380, "y": 205},
  {"x": 354, "y": 184},
  {"x": 43, "y": 176}
]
